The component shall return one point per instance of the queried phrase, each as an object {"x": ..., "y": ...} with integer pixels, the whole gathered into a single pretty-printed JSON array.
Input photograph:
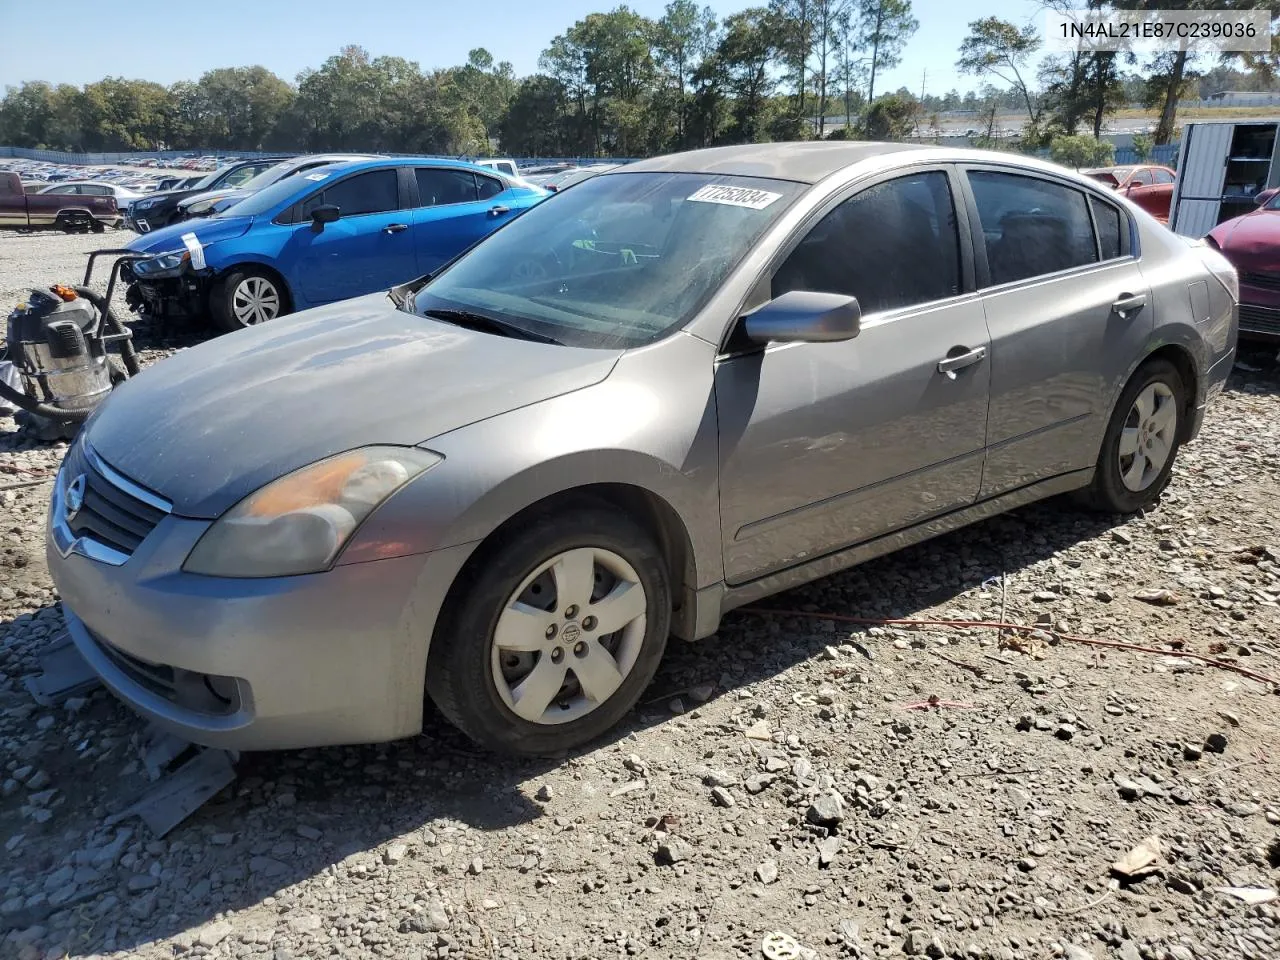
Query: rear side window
[
  {"x": 1142, "y": 178},
  {"x": 374, "y": 192},
  {"x": 438, "y": 187},
  {"x": 892, "y": 245},
  {"x": 1031, "y": 227},
  {"x": 1162, "y": 176},
  {"x": 489, "y": 187},
  {"x": 1107, "y": 219}
]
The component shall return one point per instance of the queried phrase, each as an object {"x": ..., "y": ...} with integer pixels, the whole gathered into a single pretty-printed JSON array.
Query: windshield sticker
[
  {"x": 317, "y": 176},
  {"x": 735, "y": 196},
  {"x": 196, "y": 249}
]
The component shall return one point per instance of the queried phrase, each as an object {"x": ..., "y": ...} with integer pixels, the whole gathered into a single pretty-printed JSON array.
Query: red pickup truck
[{"x": 53, "y": 211}]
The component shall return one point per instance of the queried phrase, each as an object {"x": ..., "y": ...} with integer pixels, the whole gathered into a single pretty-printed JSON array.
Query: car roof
[
  {"x": 349, "y": 165},
  {"x": 806, "y": 162}
]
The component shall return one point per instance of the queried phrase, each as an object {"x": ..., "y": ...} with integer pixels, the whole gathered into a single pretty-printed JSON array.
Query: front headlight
[
  {"x": 299, "y": 523},
  {"x": 161, "y": 264}
]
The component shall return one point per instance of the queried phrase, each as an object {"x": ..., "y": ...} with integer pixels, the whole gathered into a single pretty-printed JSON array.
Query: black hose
[
  {"x": 42, "y": 409},
  {"x": 108, "y": 319}
]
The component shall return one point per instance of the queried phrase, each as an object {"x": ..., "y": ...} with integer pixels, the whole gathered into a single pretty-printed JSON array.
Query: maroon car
[
  {"x": 53, "y": 211},
  {"x": 1147, "y": 185},
  {"x": 1252, "y": 244}
]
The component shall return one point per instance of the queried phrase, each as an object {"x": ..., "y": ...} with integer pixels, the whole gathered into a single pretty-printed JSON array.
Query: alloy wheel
[
  {"x": 1147, "y": 438},
  {"x": 255, "y": 300},
  {"x": 569, "y": 635}
]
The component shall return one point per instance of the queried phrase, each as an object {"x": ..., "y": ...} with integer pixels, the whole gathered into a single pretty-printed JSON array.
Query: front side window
[
  {"x": 892, "y": 245},
  {"x": 377, "y": 191},
  {"x": 439, "y": 186},
  {"x": 1141, "y": 178},
  {"x": 620, "y": 261},
  {"x": 1031, "y": 226}
]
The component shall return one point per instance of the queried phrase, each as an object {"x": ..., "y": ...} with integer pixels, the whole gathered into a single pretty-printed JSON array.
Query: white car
[{"x": 95, "y": 188}]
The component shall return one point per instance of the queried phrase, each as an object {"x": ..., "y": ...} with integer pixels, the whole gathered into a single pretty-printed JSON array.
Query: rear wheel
[
  {"x": 1141, "y": 442},
  {"x": 558, "y": 630},
  {"x": 246, "y": 298}
]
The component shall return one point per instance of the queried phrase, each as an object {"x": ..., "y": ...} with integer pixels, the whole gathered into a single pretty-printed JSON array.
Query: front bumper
[
  {"x": 1260, "y": 304},
  {"x": 182, "y": 293},
  {"x": 256, "y": 664}
]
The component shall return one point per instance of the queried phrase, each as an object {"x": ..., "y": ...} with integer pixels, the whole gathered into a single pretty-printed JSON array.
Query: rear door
[
  {"x": 368, "y": 248},
  {"x": 1068, "y": 310},
  {"x": 453, "y": 209}
]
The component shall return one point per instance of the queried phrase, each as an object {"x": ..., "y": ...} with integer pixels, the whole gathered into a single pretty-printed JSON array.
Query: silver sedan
[{"x": 678, "y": 387}]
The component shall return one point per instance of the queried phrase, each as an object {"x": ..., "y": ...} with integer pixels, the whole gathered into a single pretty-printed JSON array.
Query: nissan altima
[{"x": 665, "y": 392}]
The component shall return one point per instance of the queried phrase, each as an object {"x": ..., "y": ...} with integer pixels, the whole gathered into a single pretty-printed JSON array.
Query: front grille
[
  {"x": 1263, "y": 281},
  {"x": 1254, "y": 319},
  {"x": 155, "y": 677},
  {"x": 110, "y": 514},
  {"x": 199, "y": 692}
]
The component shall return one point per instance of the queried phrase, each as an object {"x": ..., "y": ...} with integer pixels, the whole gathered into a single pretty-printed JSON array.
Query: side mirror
[
  {"x": 325, "y": 213},
  {"x": 804, "y": 316}
]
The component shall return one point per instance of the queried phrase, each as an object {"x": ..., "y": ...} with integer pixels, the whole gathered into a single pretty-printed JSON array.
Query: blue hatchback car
[{"x": 335, "y": 232}]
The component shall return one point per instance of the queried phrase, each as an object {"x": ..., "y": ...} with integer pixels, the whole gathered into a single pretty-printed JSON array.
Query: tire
[
  {"x": 1120, "y": 484},
  {"x": 478, "y": 682},
  {"x": 232, "y": 299}
]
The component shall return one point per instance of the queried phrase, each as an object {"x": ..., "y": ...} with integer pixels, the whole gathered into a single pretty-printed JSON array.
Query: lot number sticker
[
  {"x": 196, "y": 250},
  {"x": 735, "y": 196}
]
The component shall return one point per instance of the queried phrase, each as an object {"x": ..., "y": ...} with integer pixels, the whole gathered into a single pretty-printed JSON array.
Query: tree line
[{"x": 621, "y": 84}]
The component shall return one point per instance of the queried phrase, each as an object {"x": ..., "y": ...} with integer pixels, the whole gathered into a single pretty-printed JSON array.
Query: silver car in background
[{"x": 671, "y": 390}]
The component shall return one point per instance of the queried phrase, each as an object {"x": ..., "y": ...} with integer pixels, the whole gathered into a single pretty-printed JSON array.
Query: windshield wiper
[{"x": 479, "y": 321}]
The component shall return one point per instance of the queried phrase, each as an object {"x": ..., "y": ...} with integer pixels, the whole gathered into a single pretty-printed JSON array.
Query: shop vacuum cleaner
[{"x": 59, "y": 343}]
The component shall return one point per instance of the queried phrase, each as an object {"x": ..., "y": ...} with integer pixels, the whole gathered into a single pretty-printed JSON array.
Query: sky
[{"x": 156, "y": 40}]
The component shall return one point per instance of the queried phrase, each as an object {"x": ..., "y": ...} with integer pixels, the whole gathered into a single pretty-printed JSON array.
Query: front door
[
  {"x": 1067, "y": 306},
  {"x": 368, "y": 248},
  {"x": 824, "y": 445}
]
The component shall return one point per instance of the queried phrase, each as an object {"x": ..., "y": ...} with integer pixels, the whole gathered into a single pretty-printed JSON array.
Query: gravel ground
[{"x": 786, "y": 775}]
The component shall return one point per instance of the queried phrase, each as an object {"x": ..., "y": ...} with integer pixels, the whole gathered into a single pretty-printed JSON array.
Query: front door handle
[
  {"x": 1128, "y": 303},
  {"x": 498, "y": 210},
  {"x": 395, "y": 227},
  {"x": 949, "y": 365}
]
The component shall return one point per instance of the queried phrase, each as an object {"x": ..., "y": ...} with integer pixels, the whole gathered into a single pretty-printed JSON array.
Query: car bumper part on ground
[{"x": 254, "y": 664}]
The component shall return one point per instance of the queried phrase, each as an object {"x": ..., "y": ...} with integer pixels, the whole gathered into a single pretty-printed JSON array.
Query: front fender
[{"x": 650, "y": 425}]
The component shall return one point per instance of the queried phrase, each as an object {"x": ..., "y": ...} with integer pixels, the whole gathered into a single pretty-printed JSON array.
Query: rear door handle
[
  {"x": 499, "y": 210},
  {"x": 949, "y": 365},
  {"x": 395, "y": 227},
  {"x": 1128, "y": 303}
]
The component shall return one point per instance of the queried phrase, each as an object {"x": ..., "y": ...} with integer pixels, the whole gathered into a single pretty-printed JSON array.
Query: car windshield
[
  {"x": 204, "y": 183},
  {"x": 619, "y": 261}
]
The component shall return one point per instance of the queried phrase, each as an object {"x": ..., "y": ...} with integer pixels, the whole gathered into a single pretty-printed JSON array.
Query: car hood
[
  {"x": 1255, "y": 235},
  {"x": 211, "y": 424},
  {"x": 205, "y": 195},
  {"x": 208, "y": 232},
  {"x": 230, "y": 199}
]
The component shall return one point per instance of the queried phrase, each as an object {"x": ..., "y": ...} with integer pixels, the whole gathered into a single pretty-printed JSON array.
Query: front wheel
[
  {"x": 246, "y": 298},
  {"x": 556, "y": 632},
  {"x": 1141, "y": 442}
]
